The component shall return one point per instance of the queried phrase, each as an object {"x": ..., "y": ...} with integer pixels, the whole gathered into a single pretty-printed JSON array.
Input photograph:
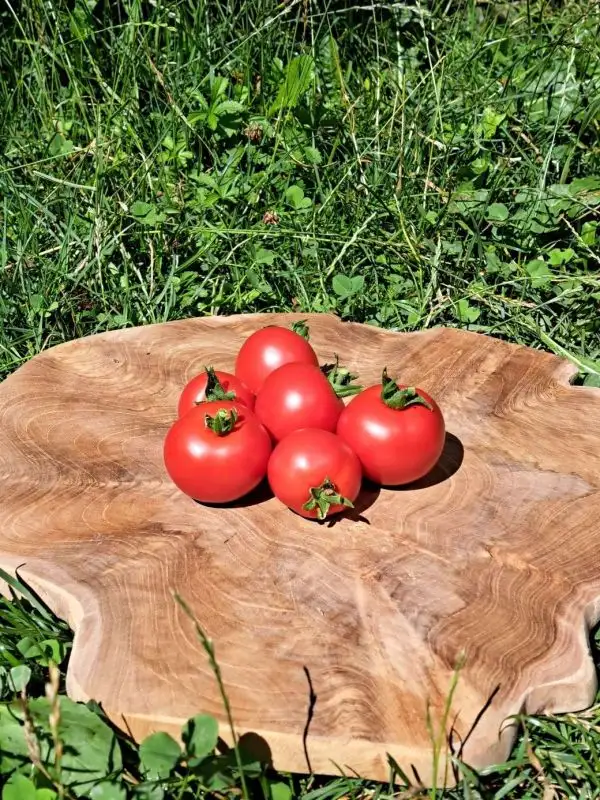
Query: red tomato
[
  {"x": 266, "y": 350},
  {"x": 397, "y": 432},
  {"x": 213, "y": 385},
  {"x": 217, "y": 452},
  {"x": 297, "y": 396},
  {"x": 314, "y": 473}
]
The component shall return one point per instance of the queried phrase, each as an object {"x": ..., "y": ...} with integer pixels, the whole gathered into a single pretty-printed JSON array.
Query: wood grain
[{"x": 494, "y": 559}]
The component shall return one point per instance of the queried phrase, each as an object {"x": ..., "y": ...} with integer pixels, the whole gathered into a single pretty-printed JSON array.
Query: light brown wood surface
[{"x": 495, "y": 558}]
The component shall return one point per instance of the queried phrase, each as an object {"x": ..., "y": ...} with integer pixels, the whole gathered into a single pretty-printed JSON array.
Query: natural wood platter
[{"x": 495, "y": 557}]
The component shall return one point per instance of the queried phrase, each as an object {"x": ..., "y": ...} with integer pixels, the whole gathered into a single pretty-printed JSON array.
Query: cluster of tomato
[{"x": 282, "y": 416}]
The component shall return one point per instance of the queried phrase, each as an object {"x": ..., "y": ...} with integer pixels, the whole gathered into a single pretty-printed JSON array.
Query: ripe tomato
[
  {"x": 266, "y": 350},
  {"x": 217, "y": 452},
  {"x": 213, "y": 385},
  {"x": 314, "y": 473},
  {"x": 297, "y": 396},
  {"x": 397, "y": 432}
]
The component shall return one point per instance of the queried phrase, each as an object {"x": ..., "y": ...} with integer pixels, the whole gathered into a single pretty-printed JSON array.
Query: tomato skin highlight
[
  {"x": 297, "y": 396},
  {"x": 194, "y": 391},
  {"x": 268, "y": 349},
  {"x": 395, "y": 446},
  {"x": 212, "y": 468},
  {"x": 304, "y": 460}
]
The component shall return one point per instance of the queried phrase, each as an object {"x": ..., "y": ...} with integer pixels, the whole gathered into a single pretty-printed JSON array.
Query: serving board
[{"x": 338, "y": 641}]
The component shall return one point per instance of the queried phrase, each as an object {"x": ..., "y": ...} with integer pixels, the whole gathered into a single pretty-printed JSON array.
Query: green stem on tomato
[
  {"x": 322, "y": 497},
  {"x": 395, "y": 397},
  {"x": 341, "y": 379},
  {"x": 301, "y": 328},
  {"x": 214, "y": 388},
  {"x": 223, "y": 422}
]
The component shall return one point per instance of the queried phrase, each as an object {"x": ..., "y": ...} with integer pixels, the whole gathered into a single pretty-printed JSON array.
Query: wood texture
[{"x": 495, "y": 558}]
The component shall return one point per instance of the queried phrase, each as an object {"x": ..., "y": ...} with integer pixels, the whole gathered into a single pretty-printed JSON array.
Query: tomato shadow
[
  {"x": 255, "y": 497},
  {"x": 368, "y": 495},
  {"x": 450, "y": 462}
]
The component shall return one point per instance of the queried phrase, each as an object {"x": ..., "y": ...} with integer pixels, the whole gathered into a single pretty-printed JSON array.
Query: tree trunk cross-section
[{"x": 492, "y": 561}]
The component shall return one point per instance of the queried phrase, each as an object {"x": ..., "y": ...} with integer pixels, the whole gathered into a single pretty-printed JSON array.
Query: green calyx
[
  {"x": 323, "y": 497},
  {"x": 341, "y": 379},
  {"x": 395, "y": 397},
  {"x": 223, "y": 422},
  {"x": 214, "y": 388},
  {"x": 301, "y": 328}
]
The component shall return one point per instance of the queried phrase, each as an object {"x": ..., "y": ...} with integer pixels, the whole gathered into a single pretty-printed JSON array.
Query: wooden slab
[{"x": 494, "y": 558}]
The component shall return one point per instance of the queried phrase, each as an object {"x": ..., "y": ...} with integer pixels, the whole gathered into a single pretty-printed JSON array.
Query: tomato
[
  {"x": 266, "y": 350},
  {"x": 314, "y": 473},
  {"x": 297, "y": 396},
  {"x": 213, "y": 385},
  {"x": 397, "y": 432},
  {"x": 217, "y": 452}
]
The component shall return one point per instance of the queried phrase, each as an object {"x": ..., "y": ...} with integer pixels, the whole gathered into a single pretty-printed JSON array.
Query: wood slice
[{"x": 493, "y": 559}]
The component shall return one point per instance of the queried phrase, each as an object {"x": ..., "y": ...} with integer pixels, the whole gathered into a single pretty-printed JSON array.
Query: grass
[{"x": 402, "y": 164}]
